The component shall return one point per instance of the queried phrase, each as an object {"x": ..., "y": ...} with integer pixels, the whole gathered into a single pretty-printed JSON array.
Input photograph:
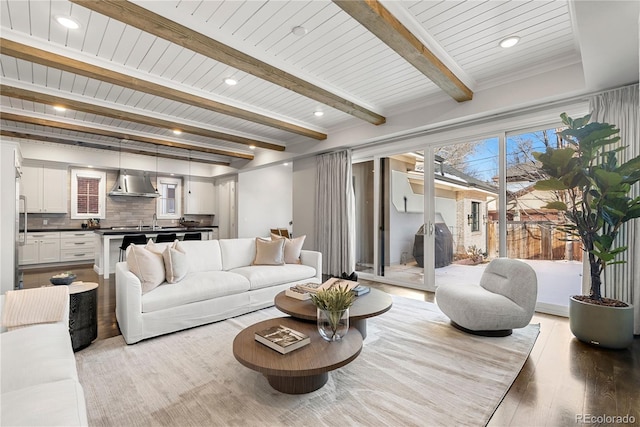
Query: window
[
  {"x": 169, "y": 203},
  {"x": 88, "y": 194},
  {"x": 475, "y": 216}
]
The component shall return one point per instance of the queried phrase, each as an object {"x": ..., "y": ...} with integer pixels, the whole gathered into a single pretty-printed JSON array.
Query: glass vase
[{"x": 333, "y": 325}]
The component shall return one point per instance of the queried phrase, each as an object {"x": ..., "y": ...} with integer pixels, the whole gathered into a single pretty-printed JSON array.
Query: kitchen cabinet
[
  {"x": 199, "y": 197},
  {"x": 77, "y": 246},
  {"x": 40, "y": 248},
  {"x": 45, "y": 189}
]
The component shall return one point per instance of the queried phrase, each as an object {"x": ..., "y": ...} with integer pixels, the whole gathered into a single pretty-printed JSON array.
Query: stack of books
[
  {"x": 282, "y": 338},
  {"x": 305, "y": 290}
]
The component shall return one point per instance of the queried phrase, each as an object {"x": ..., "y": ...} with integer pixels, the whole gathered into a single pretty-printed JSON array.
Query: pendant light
[
  {"x": 156, "y": 169},
  {"x": 189, "y": 171},
  {"x": 119, "y": 165}
]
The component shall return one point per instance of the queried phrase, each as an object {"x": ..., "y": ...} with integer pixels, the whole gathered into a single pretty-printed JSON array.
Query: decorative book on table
[
  {"x": 360, "y": 290},
  {"x": 297, "y": 293},
  {"x": 333, "y": 282},
  {"x": 282, "y": 338}
]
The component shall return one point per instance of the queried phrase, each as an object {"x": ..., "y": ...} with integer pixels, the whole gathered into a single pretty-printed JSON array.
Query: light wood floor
[{"x": 562, "y": 379}]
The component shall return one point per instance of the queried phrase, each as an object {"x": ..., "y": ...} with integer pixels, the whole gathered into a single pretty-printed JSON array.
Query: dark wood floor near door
[{"x": 562, "y": 380}]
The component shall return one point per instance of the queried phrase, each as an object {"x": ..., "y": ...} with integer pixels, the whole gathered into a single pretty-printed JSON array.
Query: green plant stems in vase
[{"x": 333, "y": 312}]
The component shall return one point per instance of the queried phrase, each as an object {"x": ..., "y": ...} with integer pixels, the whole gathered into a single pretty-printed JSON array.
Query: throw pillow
[
  {"x": 175, "y": 263},
  {"x": 292, "y": 248},
  {"x": 147, "y": 265},
  {"x": 269, "y": 252}
]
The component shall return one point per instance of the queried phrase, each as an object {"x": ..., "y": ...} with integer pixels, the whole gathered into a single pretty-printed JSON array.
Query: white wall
[
  {"x": 304, "y": 200},
  {"x": 265, "y": 200}
]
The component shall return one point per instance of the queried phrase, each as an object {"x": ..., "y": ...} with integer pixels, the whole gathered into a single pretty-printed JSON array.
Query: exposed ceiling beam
[
  {"x": 152, "y": 23},
  {"x": 48, "y": 59},
  {"x": 379, "y": 21},
  {"x": 120, "y": 135},
  {"x": 27, "y": 95},
  {"x": 26, "y": 135}
]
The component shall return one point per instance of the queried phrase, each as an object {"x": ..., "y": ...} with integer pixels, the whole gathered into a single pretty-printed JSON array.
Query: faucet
[{"x": 154, "y": 222}]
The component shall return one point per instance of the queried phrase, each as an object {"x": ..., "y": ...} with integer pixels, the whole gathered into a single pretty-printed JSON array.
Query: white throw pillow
[
  {"x": 292, "y": 248},
  {"x": 269, "y": 252},
  {"x": 147, "y": 265},
  {"x": 176, "y": 264}
]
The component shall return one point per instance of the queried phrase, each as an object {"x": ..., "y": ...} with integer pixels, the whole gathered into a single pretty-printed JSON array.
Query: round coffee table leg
[
  {"x": 298, "y": 385},
  {"x": 361, "y": 325}
]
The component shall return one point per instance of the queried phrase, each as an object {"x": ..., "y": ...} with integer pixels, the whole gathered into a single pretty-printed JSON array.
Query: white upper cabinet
[
  {"x": 199, "y": 197},
  {"x": 45, "y": 189}
]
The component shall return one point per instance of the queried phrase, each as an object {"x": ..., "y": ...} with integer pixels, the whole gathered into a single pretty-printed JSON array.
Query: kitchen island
[{"x": 109, "y": 240}]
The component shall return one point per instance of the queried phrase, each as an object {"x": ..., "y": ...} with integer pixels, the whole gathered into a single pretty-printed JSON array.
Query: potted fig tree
[{"x": 595, "y": 203}]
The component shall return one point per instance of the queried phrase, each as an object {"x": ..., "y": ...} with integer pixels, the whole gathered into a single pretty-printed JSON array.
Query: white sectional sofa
[
  {"x": 221, "y": 282},
  {"x": 40, "y": 384}
]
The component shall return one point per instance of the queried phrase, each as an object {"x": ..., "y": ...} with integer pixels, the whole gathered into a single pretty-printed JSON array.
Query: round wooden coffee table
[
  {"x": 368, "y": 305},
  {"x": 300, "y": 371}
]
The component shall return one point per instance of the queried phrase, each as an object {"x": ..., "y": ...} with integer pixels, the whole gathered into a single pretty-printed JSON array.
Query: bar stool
[
  {"x": 162, "y": 238},
  {"x": 192, "y": 236},
  {"x": 131, "y": 239}
]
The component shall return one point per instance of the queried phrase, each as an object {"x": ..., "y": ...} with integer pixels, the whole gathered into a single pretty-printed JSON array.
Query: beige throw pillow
[
  {"x": 269, "y": 252},
  {"x": 292, "y": 248},
  {"x": 147, "y": 265},
  {"x": 175, "y": 263}
]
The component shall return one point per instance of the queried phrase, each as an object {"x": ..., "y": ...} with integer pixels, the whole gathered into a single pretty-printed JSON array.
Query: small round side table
[{"x": 83, "y": 314}]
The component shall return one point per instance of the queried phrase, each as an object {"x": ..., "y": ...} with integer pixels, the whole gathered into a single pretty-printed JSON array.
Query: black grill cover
[{"x": 443, "y": 246}]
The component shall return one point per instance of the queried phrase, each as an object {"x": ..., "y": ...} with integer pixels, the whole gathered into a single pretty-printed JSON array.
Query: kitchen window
[
  {"x": 168, "y": 204},
  {"x": 88, "y": 194}
]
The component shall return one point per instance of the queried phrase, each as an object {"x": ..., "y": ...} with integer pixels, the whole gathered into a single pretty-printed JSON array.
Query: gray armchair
[{"x": 504, "y": 300}]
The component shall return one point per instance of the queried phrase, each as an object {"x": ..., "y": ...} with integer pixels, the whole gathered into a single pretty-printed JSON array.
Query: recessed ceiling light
[
  {"x": 509, "y": 42},
  {"x": 59, "y": 108},
  {"x": 285, "y": 164},
  {"x": 177, "y": 132},
  {"x": 318, "y": 113},
  {"x": 299, "y": 31},
  {"x": 230, "y": 81},
  {"x": 252, "y": 147},
  {"x": 68, "y": 22}
]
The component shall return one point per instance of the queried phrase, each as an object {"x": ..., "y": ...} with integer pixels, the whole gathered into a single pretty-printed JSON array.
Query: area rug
[{"x": 414, "y": 369}]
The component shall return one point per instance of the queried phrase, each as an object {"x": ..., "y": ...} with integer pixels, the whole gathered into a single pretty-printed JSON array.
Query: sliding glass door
[{"x": 464, "y": 197}]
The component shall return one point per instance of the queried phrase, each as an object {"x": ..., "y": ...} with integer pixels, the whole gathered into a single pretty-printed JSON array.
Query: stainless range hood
[{"x": 133, "y": 184}]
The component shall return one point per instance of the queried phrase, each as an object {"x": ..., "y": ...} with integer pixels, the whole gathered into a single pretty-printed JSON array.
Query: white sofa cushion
[
  {"x": 195, "y": 287},
  {"x": 262, "y": 276},
  {"x": 59, "y": 403},
  {"x": 176, "y": 264},
  {"x": 202, "y": 255},
  {"x": 148, "y": 265},
  {"x": 292, "y": 248},
  {"x": 237, "y": 252},
  {"x": 36, "y": 354}
]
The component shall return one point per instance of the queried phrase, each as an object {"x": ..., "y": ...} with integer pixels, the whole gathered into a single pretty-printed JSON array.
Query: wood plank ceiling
[{"x": 135, "y": 71}]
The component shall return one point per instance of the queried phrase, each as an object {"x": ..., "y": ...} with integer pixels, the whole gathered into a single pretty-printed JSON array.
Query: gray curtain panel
[
  {"x": 335, "y": 231},
  {"x": 621, "y": 107}
]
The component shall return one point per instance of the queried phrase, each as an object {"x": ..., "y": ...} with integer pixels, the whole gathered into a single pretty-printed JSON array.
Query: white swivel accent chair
[{"x": 504, "y": 300}]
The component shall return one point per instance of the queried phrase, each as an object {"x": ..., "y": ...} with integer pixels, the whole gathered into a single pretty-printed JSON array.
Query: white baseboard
[{"x": 556, "y": 310}]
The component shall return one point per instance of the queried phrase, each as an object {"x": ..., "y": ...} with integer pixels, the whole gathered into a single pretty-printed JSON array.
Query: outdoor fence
[{"x": 534, "y": 240}]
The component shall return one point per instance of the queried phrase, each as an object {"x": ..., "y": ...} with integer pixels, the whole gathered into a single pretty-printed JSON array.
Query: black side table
[{"x": 83, "y": 314}]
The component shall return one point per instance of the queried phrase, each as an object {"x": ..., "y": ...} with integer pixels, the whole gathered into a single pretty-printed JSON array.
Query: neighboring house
[
  {"x": 524, "y": 202},
  {"x": 461, "y": 202}
]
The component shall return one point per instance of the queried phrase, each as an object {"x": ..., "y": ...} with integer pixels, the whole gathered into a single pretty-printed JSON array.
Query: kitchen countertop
[
  {"x": 132, "y": 230},
  {"x": 149, "y": 230}
]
